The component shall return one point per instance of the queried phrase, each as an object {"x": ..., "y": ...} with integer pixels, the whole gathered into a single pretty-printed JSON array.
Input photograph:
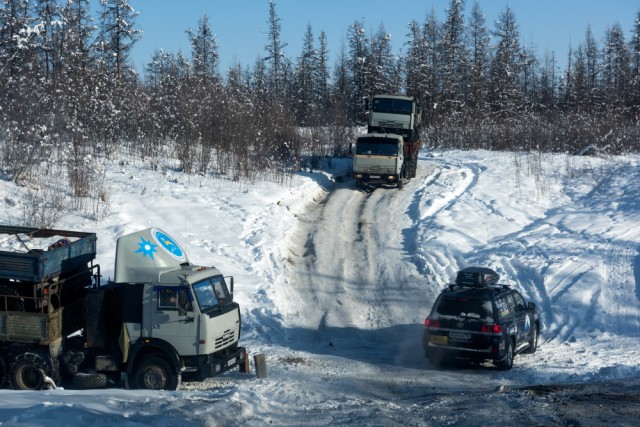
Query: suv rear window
[{"x": 465, "y": 307}]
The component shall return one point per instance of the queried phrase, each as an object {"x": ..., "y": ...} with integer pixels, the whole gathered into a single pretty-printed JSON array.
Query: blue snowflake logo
[{"x": 146, "y": 248}]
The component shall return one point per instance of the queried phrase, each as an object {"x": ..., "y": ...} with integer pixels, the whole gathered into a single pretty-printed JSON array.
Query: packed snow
[{"x": 334, "y": 284}]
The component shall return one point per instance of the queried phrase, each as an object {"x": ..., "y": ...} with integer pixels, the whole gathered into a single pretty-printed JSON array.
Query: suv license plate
[
  {"x": 459, "y": 336},
  {"x": 374, "y": 176},
  {"x": 439, "y": 339}
]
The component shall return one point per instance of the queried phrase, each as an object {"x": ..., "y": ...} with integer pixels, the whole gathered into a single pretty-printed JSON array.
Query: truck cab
[
  {"x": 395, "y": 114},
  {"x": 379, "y": 158},
  {"x": 188, "y": 316}
]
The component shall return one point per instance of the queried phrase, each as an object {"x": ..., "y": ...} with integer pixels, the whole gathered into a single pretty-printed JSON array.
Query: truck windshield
[
  {"x": 391, "y": 105},
  {"x": 211, "y": 292},
  {"x": 371, "y": 147}
]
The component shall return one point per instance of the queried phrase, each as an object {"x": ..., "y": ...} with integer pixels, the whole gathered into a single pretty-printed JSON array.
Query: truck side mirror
[{"x": 230, "y": 282}]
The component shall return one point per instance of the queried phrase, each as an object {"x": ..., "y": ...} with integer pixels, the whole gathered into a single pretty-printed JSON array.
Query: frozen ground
[{"x": 334, "y": 284}]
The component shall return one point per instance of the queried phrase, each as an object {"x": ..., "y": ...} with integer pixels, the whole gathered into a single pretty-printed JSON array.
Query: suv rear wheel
[
  {"x": 435, "y": 358},
  {"x": 506, "y": 363},
  {"x": 533, "y": 342}
]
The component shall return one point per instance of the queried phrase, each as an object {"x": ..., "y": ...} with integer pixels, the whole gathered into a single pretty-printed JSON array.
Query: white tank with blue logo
[{"x": 144, "y": 255}]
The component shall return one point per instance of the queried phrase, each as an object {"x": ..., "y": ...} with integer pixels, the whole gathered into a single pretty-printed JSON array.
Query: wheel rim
[
  {"x": 29, "y": 377},
  {"x": 154, "y": 378}
]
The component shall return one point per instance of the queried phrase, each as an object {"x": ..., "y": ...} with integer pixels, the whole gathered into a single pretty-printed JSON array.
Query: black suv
[{"x": 478, "y": 319}]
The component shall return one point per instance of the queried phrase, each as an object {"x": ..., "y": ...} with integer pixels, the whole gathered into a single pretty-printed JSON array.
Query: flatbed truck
[{"x": 159, "y": 321}]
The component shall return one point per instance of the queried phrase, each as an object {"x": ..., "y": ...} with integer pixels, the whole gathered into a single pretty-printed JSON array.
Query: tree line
[{"x": 70, "y": 97}]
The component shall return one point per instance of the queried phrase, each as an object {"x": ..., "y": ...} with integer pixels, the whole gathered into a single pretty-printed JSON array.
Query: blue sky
[{"x": 241, "y": 25}]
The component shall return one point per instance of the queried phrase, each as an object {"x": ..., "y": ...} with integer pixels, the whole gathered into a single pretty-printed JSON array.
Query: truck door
[{"x": 172, "y": 319}]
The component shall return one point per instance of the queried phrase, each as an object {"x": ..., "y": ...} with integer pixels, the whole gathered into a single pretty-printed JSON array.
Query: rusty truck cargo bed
[{"x": 39, "y": 265}]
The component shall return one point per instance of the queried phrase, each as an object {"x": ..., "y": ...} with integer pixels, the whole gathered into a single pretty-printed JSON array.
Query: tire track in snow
[
  {"x": 621, "y": 264},
  {"x": 443, "y": 190},
  {"x": 359, "y": 275}
]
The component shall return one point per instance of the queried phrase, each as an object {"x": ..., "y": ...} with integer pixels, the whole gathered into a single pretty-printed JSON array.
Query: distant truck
[
  {"x": 396, "y": 114},
  {"x": 384, "y": 159},
  {"x": 388, "y": 153},
  {"x": 162, "y": 319}
]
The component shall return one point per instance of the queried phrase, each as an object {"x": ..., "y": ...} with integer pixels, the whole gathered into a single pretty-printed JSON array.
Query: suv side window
[
  {"x": 520, "y": 305},
  {"x": 511, "y": 302},
  {"x": 503, "y": 307}
]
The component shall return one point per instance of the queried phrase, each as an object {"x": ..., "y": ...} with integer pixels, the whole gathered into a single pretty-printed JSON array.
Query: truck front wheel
[{"x": 155, "y": 373}]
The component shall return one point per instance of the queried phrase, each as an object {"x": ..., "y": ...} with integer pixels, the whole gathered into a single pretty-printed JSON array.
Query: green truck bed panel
[{"x": 28, "y": 327}]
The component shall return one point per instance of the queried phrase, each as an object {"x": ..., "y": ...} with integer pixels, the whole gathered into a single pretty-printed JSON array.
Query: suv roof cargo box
[{"x": 477, "y": 277}]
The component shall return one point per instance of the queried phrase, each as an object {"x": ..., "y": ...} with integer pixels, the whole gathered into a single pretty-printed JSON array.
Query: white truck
[
  {"x": 397, "y": 114},
  {"x": 162, "y": 319},
  {"x": 388, "y": 153}
]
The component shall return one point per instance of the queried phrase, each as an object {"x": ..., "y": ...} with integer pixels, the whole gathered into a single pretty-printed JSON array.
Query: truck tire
[
  {"x": 88, "y": 380},
  {"x": 413, "y": 168},
  {"x": 3, "y": 372},
  {"x": 29, "y": 372},
  {"x": 155, "y": 373},
  {"x": 15, "y": 302}
]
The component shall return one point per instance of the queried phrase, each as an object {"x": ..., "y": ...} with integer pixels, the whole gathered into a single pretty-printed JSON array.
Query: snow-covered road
[{"x": 334, "y": 284}]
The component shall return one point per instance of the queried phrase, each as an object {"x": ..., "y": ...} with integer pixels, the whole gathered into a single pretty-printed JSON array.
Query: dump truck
[
  {"x": 384, "y": 159},
  {"x": 159, "y": 321},
  {"x": 396, "y": 114},
  {"x": 388, "y": 153}
]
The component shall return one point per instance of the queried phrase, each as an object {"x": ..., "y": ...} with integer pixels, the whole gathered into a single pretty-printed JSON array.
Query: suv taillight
[
  {"x": 431, "y": 323},
  {"x": 493, "y": 329}
]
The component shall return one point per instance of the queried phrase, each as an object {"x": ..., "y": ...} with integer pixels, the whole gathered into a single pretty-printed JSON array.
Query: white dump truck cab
[
  {"x": 395, "y": 114},
  {"x": 379, "y": 158}
]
